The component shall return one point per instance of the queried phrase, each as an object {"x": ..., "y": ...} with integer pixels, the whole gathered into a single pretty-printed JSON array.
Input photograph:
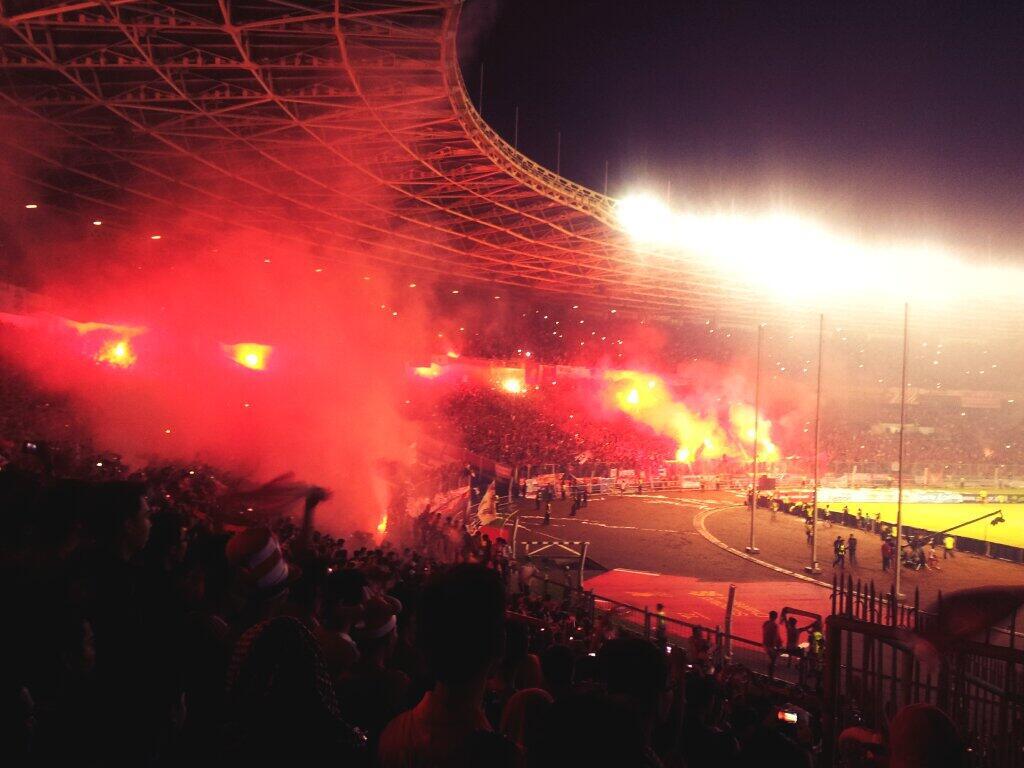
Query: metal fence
[
  {"x": 874, "y": 666},
  {"x": 644, "y": 622}
]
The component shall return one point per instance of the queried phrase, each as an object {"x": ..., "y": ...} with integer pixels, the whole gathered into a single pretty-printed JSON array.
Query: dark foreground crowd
[{"x": 144, "y": 634}]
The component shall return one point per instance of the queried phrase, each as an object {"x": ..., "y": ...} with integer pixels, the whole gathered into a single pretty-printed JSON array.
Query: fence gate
[
  {"x": 556, "y": 550},
  {"x": 871, "y": 671}
]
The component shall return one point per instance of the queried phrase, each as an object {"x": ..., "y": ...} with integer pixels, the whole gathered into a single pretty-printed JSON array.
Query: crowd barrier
[
  {"x": 630, "y": 485},
  {"x": 675, "y": 633}
]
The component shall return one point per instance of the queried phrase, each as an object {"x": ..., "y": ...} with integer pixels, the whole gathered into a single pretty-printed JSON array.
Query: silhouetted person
[{"x": 461, "y": 629}]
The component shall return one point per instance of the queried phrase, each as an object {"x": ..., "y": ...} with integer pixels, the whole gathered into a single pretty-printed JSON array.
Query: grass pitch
[{"x": 938, "y": 517}]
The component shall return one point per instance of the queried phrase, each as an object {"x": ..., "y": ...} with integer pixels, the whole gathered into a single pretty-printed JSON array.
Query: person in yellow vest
[
  {"x": 816, "y": 641},
  {"x": 839, "y": 548},
  {"x": 815, "y": 657},
  {"x": 948, "y": 543}
]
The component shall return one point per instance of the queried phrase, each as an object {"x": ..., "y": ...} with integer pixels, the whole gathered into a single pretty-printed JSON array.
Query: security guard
[{"x": 947, "y": 547}]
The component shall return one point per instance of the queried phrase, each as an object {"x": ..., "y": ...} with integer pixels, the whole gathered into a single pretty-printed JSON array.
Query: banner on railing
[{"x": 446, "y": 503}]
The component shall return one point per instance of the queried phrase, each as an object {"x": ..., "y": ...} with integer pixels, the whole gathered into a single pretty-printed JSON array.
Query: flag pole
[
  {"x": 899, "y": 485},
  {"x": 814, "y": 567},
  {"x": 752, "y": 549}
]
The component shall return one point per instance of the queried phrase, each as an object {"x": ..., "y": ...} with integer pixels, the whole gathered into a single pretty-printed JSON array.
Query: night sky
[{"x": 881, "y": 118}]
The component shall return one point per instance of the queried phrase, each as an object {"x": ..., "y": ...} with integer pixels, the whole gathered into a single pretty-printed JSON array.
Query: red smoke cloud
[{"x": 325, "y": 403}]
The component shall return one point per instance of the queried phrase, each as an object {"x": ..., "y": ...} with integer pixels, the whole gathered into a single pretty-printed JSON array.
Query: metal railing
[
  {"x": 643, "y": 622},
  {"x": 874, "y": 667}
]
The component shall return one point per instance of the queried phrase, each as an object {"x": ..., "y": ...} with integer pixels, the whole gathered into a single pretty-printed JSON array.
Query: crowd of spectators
[
  {"x": 567, "y": 425},
  {"x": 141, "y": 634},
  {"x": 561, "y": 425},
  {"x": 145, "y": 630},
  {"x": 172, "y": 615},
  {"x": 943, "y": 435}
]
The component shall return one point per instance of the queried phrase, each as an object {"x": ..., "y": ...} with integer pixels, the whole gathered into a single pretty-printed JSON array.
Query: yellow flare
[
  {"x": 431, "y": 371},
  {"x": 116, "y": 352},
  {"x": 697, "y": 435},
  {"x": 249, "y": 355}
]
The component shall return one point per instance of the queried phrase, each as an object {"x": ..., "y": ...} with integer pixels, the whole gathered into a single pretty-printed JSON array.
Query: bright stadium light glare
[
  {"x": 646, "y": 219},
  {"x": 795, "y": 256}
]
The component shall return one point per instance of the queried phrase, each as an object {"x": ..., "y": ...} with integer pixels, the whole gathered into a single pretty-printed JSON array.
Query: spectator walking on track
[
  {"x": 887, "y": 553},
  {"x": 851, "y": 546}
]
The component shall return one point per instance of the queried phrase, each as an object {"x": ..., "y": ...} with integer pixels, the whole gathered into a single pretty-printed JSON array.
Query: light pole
[
  {"x": 752, "y": 549},
  {"x": 814, "y": 568}
]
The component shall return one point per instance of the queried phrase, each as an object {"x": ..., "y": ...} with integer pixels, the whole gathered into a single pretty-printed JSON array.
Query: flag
[{"x": 487, "y": 511}]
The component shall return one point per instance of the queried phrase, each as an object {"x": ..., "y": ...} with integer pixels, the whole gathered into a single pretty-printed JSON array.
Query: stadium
[{"x": 342, "y": 418}]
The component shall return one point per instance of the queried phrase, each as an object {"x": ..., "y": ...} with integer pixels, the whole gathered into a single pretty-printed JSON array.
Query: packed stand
[
  {"x": 143, "y": 632},
  {"x": 558, "y": 425}
]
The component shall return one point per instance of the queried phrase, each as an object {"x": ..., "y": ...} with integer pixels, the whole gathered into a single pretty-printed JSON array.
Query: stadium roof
[{"x": 344, "y": 125}]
